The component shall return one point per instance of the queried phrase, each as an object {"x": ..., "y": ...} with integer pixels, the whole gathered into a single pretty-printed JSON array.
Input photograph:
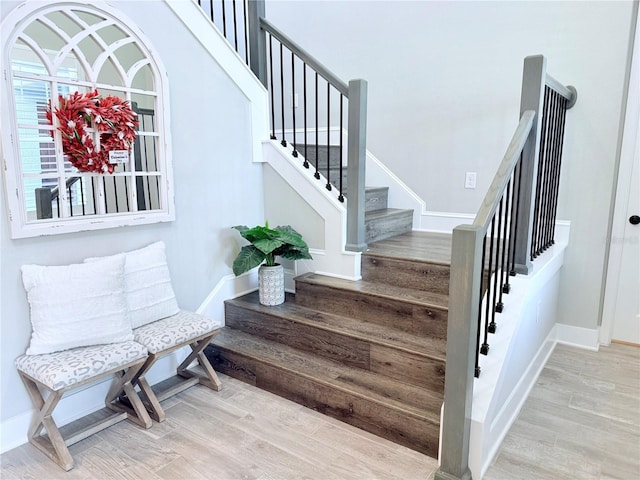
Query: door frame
[{"x": 629, "y": 142}]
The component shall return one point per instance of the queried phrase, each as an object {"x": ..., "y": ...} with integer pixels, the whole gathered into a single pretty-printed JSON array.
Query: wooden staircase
[
  {"x": 370, "y": 353},
  {"x": 380, "y": 221}
]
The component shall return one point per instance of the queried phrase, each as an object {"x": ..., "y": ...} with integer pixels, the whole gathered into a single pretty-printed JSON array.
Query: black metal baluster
[
  {"x": 94, "y": 181},
  {"x": 70, "y": 200},
  {"x": 496, "y": 270},
  {"x": 341, "y": 195},
  {"x": 245, "y": 25},
  {"x": 81, "y": 181},
  {"x": 235, "y": 25},
  {"x": 548, "y": 234},
  {"x": 516, "y": 203},
  {"x": 317, "y": 174},
  {"x": 506, "y": 234},
  {"x": 224, "y": 20},
  {"x": 273, "y": 105},
  {"x": 293, "y": 103},
  {"x": 484, "y": 349},
  {"x": 479, "y": 329},
  {"x": 554, "y": 210},
  {"x": 126, "y": 192},
  {"x": 115, "y": 194},
  {"x": 551, "y": 134},
  {"x": 284, "y": 141},
  {"x": 328, "y": 185},
  {"x": 145, "y": 152},
  {"x": 541, "y": 162},
  {"x": 488, "y": 306},
  {"x": 211, "y": 7},
  {"x": 104, "y": 186},
  {"x": 555, "y": 174},
  {"x": 304, "y": 100}
]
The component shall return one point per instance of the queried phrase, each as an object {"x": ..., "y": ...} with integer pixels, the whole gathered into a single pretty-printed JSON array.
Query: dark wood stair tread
[
  {"x": 370, "y": 332},
  {"x": 431, "y": 247},
  {"x": 412, "y": 296},
  {"x": 411, "y": 400},
  {"x": 385, "y": 212}
]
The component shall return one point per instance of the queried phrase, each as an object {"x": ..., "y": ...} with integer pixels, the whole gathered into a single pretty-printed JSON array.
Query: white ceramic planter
[{"x": 271, "y": 285}]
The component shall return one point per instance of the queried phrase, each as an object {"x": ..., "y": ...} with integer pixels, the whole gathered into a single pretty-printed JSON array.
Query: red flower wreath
[{"x": 111, "y": 116}]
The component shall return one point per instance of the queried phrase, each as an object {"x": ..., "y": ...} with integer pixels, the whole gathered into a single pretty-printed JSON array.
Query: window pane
[
  {"x": 148, "y": 192},
  {"x": 90, "y": 48},
  {"x": 47, "y": 39},
  {"x": 37, "y": 151},
  {"x": 109, "y": 74},
  {"x": 40, "y": 201},
  {"x": 145, "y": 153},
  {"x": 64, "y": 23},
  {"x": 111, "y": 34},
  {"x": 128, "y": 55},
  {"x": 81, "y": 196},
  {"x": 24, "y": 59},
  {"x": 32, "y": 99},
  {"x": 144, "y": 81},
  {"x": 116, "y": 190}
]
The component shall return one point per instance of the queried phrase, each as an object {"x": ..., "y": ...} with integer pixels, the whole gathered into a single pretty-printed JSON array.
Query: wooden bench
[
  {"x": 109, "y": 315},
  {"x": 165, "y": 336},
  {"x": 50, "y": 376}
]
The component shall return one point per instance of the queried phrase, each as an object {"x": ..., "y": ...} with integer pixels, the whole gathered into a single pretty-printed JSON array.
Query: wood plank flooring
[
  {"x": 240, "y": 432},
  {"x": 581, "y": 421}
]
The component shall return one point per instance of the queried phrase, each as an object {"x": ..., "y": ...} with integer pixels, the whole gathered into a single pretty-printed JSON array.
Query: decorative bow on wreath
[{"x": 111, "y": 116}]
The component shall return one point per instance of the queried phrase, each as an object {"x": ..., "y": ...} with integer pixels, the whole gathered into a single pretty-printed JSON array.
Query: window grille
[{"x": 57, "y": 49}]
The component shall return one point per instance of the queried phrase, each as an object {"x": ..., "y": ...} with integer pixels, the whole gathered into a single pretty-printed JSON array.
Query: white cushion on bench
[
  {"x": 174, "y": 330},
  {"x": 62, "y": 369},
  {"x": 147, "y": 284},
  {"x": 77, "y": 305}
]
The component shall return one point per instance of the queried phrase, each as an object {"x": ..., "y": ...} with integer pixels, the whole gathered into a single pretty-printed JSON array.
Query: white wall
[
  {"x": 216, "y": 186},
  {"x": 444, "y": 87}
]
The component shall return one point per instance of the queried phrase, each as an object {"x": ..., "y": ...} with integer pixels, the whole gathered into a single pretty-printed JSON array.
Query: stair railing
[
  {"x": 289, "y": 72},
  {"x": 231, "y": 18},
  {"x": 515, "y": 223}
]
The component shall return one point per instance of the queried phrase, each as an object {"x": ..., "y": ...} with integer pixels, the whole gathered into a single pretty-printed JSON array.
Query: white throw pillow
[
  {"x": 76, "y": 305},
  {"x": 147, "y": 285}
]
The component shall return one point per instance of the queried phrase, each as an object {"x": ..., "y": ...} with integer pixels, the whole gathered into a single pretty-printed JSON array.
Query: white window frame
[{"x": 11, "y": 30}]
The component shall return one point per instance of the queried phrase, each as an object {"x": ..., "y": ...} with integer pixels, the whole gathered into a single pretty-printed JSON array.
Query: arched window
[{"x": 53, "y": 50}]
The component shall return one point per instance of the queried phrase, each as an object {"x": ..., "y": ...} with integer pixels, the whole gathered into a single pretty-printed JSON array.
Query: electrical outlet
[{"x": 470, "y": 180}]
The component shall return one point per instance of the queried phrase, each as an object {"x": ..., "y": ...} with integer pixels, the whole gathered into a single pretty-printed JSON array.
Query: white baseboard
[
  {"x": 587, "y": 338},
  {"x": 443, "y": 222},
  {"x": 228, "y": 287}
]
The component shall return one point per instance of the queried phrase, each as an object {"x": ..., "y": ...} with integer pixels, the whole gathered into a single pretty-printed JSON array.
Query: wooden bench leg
[
  {"x": 210, "y": 379},
  {"x": 172, "y": 387},
  {"x": 135, "y": 409},
  {"x": 52, "y": 442},
  {"x": 55, "y": 448}
]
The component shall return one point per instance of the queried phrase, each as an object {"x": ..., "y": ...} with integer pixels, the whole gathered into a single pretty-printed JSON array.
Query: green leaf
[
  {"x": 281, "y": 241},
  {"x": 248, "y": 258},
  {"x": 289, "y": 235},
  {"x": 297, "y": 254},
  {"x": 267, "y": 245}
]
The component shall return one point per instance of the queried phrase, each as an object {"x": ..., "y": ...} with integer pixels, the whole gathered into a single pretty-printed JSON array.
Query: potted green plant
[{"x": 265, "y": 244}]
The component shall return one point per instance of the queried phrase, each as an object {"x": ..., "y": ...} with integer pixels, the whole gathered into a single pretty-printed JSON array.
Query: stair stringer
[{"x": 332, "y": 260}]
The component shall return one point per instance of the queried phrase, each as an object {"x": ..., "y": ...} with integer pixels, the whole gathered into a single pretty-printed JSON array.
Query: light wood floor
[
  {"x": 582, "y": 421},
  {"x": 240, "y": 432}
]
